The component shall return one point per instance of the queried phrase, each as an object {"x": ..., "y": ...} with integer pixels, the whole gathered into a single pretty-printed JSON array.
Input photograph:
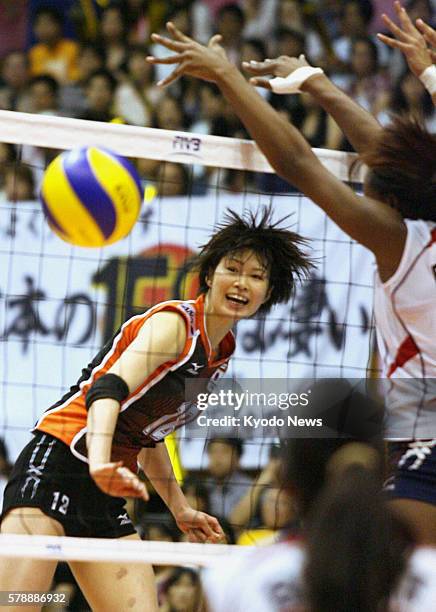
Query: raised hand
[
  {"x": 409, "y": 40},
  {"x": 430, "y": 37},
  {"x": 191, "y": 57},
  {"x": 114, "y": 479},
  {"x": 279, "y": 67}
]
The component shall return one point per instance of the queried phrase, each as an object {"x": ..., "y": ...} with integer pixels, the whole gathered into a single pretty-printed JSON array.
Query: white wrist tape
[
  {"x": 428, "y": 79},
  {"x": 292, "y": 83}
]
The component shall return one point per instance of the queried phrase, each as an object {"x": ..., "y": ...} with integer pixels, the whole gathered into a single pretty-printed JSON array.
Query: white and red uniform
[
  {"x": 405, "y": 313},
  {"x": 270, "y": 579}
]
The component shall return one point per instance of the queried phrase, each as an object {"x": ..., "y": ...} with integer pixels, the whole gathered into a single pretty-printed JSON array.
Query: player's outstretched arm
[
  {"x": 161, "y": 339},
  {"x": 366, "y": 220},
  {"x": 199, "y": 526},
  {"x": 359, "y": 126},
  {"x": 418, "y": 45}
]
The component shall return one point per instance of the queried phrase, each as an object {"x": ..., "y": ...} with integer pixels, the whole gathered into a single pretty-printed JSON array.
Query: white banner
[{"x": 58, "y": 303}]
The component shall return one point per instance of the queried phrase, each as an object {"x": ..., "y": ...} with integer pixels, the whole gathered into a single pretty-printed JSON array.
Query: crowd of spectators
[{"x": 87, "y": 59}]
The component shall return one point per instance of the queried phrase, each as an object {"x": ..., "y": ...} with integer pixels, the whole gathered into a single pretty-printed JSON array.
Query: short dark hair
[
  {"x": 235, "y": 443},
  {"x": 367, "y": 40},
  {"x": 48, "y": 80},
  {"x": 257, "y": 44},
  {"x": 278, "y": 248},
  {"x": 283, "y": 32},
  {"x": 105, "y": 74},
  {"x": 402, "y": 167},
  {"x": 366, "y": 9},
  {"x": 49, "y": 11},
  {"x": 233, "y": 9}
]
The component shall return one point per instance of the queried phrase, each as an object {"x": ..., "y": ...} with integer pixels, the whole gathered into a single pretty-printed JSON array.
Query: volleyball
[{"x": 91, "y": 196}]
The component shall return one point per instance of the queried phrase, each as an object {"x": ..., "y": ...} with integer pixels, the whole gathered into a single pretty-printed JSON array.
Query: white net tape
[
  {"x": 167, "y": 145},
  {"x": 128, "y": 551}
]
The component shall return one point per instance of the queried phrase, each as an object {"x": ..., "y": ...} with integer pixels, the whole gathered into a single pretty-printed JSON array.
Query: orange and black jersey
[{"x": 158, "y": 406}]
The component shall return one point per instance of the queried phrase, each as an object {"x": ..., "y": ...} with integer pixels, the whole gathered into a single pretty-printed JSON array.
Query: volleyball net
[{"x": 60, "y": 303}]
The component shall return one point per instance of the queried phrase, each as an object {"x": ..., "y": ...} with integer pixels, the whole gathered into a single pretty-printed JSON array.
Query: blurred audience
[
  {"x": 181, "y": 591},
  {"x": 14, "y": 92},
  {"x": 52, "y": 54},
  {"x": 5, "y": 467},
  {"x": 226, "y": 483}
]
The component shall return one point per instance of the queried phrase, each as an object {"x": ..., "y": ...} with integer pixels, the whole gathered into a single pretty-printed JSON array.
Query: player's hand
[
  {"x": 119, "y": 481},
  {"x": 199, "y": 526},
  {"x": 430, "y": 37},
  {"x": 191, "y": 57},
  {"x": 409, "y": 40},
  {"x": 279, "y": 67}
]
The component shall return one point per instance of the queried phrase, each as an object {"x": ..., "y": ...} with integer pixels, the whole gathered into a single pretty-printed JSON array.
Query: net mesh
[{"x": 59, "y": 303}]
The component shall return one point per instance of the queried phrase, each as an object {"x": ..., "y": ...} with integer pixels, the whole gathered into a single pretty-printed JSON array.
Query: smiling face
[{"x": 239, "y": 286}]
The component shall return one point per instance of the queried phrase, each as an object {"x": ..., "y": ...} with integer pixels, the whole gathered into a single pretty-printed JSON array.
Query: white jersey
[
  {"x": 269, "y": 579},
  {"x": 405, "y": 313}
]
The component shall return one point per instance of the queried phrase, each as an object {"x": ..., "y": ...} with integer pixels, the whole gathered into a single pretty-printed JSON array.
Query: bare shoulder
[{"x": 166, "y": 328}]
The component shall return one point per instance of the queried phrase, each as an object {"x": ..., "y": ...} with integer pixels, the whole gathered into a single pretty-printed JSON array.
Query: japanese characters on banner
[{"x": 58, "y": 303}]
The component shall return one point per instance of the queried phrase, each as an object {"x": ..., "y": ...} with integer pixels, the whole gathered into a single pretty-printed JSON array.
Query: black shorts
[
  {"x": 413, "y": 466},
  {"x": 48, "y": 476}
]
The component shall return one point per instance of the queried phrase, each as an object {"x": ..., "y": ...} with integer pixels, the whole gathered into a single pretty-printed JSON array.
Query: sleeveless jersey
[
  {"x": 405, "y": 313},
  {"x": 158, "y": 406}
]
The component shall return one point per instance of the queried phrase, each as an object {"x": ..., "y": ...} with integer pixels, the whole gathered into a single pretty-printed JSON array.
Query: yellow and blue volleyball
[{"x": 91, "y": 196}]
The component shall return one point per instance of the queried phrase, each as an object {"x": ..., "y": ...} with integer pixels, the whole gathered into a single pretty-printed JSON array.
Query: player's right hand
[
  {"x": 117, "y": 480},
  {"x": 279, "y": 67}
]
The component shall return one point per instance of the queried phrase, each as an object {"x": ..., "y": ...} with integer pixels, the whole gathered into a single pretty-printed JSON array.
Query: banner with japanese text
[{"x": 59, "y": 303}]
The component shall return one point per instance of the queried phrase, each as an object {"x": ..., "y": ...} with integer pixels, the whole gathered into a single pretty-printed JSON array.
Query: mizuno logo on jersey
[
  {"x": 124, "y": 518},
  {"x": 194, "y": 367}
]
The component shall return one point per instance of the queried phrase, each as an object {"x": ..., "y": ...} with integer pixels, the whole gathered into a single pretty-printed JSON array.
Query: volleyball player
[
  {"x": 72, "y": 477},
  {"x": 395, "y": 219},
  {"x": 352, "y": 551},
  {"x": 418, "y": 45}
]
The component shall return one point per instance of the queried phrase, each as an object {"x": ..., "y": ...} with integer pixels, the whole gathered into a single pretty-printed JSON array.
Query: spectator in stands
[
  {"x": 259, "y": 17},
  {"x": 289, "y": 42},
  {"x": 169, "y": 114},
  {"x": 72, "y": 96},
  {"x": 369, "y": 85},
  {"x": 14, "y": 93},
  {"x": 230, "y": 24},
  {"x": 243, "y": 513},
  {"x": 19, "y": 183},
  {"x": 44, "y": 95},
  {"x": 421, "y": 9},
  {"x": 182, "y": 592},
  {"x": 410, "y": 96},
  {"x": 92, "y": 57},
  {"x": 355, "y": 17},
  {"x": 196, "y": 494},
  {"x": 276, "y": 510},
  {"x": 253, "y": 49},
  {"x": 52, "y": 54},
  {"x": 100, "y": 92},
  {"x": 113, "y": 37},
  {"x": 290, "y": 15},
  {"x": 172, "y": 179},
  {"x": 5, "y": 468},
  {"x": 210, "y": 114},
  {"x": 225, "y": 482},
  {"x": 138, "y": 21},
  {"x": 7, "y": 156},
  {"x": 137, "y": 95},
  {"x": 161, "y": 530}
]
